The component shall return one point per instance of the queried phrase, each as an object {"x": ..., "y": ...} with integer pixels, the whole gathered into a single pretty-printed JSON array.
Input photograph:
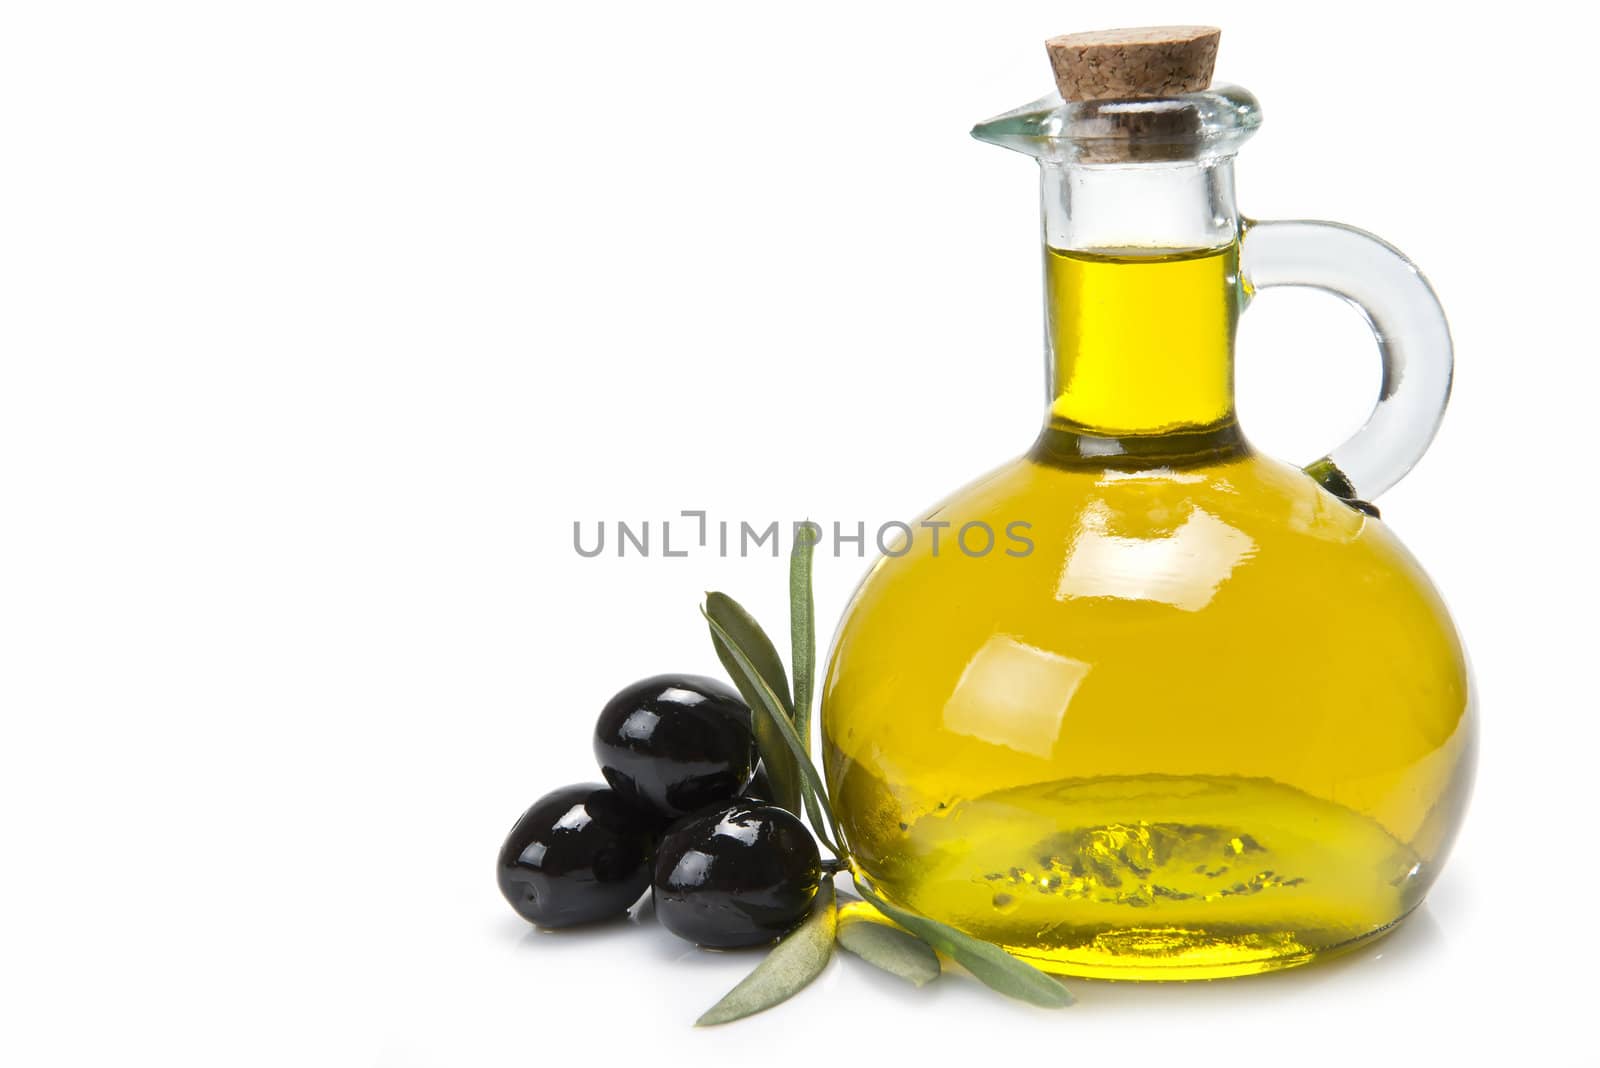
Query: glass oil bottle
[{"x": 1217, "y": 720}]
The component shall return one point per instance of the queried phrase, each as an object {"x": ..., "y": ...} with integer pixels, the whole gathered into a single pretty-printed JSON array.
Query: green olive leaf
[
  {"x": 733, "y": 618},
  {"x": 897, "y": 952},
  {"x": 992, "y": 966},
  {"x": 803, "y": 627},
  {"x": 747, "y": 633},
  {"x": 787, "y": 970},
  {"x": 768, "y": 705}
]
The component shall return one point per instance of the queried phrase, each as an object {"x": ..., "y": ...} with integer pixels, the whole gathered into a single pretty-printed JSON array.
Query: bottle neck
[{"x": 1142, "y": 299}]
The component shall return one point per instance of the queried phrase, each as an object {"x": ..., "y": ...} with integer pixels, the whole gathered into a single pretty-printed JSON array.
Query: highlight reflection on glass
[
  {"x": 1014, "y": 694},
  {"x": 1183, "y": 568}
]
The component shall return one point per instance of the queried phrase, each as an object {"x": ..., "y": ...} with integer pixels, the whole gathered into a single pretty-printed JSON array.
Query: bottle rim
[{"x": 1207, "y": 125}]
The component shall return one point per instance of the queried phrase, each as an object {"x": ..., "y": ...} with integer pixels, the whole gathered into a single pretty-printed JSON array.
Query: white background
[{"x": 322, "y": 322}]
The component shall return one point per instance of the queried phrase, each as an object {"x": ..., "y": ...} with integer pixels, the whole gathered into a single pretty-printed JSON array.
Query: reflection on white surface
[
  {"x": 1182, "y": 568},
  {"x": 1014, "y": 694}
]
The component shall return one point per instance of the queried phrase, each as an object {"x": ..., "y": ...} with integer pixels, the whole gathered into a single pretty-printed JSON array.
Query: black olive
[
  {"x": 674, "y": 744},
  {"x": 577, "y": 855},
  {"x": 739, "y": 875}
]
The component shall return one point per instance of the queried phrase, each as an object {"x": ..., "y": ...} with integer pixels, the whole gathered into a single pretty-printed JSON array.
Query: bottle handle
[{"x": 1405, "y": 316}]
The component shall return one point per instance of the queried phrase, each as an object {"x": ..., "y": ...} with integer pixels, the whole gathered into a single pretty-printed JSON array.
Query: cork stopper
[{"x": 1148, "y": 61}]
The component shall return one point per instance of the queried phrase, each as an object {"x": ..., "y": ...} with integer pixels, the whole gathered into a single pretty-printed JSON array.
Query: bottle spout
[
  {"x": 1209, "y": 124},
  {"x": 1024, "y": 129}
]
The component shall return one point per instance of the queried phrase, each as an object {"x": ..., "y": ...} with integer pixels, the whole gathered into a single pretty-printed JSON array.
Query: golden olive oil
[
  {"x": 1215, "y": 721},
  {"x": 1166, "y": 321}
]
